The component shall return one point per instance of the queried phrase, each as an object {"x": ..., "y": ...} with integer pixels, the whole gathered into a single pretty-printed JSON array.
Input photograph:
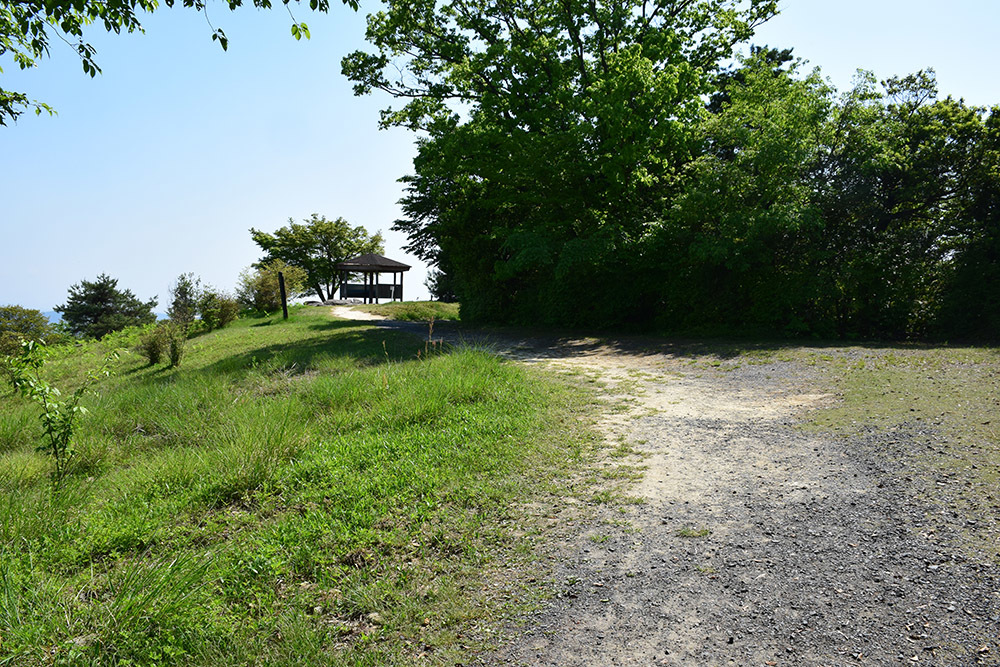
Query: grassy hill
[{"x": 305, "y": 492}]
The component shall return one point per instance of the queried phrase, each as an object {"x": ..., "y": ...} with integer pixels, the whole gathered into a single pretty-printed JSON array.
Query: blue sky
[{"x": 161, "y": 164}]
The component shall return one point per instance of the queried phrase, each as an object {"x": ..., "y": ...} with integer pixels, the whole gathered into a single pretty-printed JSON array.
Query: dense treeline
[{"x": 604, "y": 168}]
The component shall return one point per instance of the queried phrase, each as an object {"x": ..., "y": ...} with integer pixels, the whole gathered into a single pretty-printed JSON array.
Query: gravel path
[{"x": 758, "y": 542}]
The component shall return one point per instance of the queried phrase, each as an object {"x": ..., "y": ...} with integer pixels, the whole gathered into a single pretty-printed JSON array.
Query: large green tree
[
  {"x": 316, "y": 246},
  {"x": 552, "y": 131},
  {"x": 27, "y": 26},
  {"x": 95, "y": 308}
]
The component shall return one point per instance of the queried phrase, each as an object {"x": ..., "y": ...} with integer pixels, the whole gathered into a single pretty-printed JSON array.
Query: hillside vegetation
[{"x": 304, "y": 492}]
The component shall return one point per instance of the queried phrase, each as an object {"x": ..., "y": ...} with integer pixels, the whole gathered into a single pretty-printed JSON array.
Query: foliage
[
  {"x": 59, "y": 418},
  {"x": 163, "y": 338},
  {"x": 18, "y": 324},
  {"x": 96, "y": 308},
  {"x": 284, "y": 497},
  {"x": 441, "y": 286},
  {"x": 217, "y": 308},
  {"x": 729, "y": 251},
  {"x": 176, "y": 338},
  {"x": 153, "y": 343},
  {"x": 605, "y": 169},
  {"x": 185, "y": 295},
  {"x": 26, "y": 25},
  {"x": 316, "y": 246},
  {"x": 258, "y": 287},
  {"x": 581, "y": 117}
]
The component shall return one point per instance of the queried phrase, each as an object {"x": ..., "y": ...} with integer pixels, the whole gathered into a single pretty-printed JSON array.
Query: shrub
[
  {"x": 59, "y": 418},
  {"x": 258, "y": 287},
  {"x": 176, "y": 338},
  {"x": 185, "y": 295},
  {"x": 217, "y": 308},
  {"x": 153, "y": 343}
]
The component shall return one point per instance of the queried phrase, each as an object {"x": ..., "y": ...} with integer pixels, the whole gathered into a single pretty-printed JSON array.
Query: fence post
[{"x": 284, "y": 299}]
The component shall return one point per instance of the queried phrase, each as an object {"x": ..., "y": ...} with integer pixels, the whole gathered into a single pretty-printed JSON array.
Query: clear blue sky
[{"x": 161, "y": 164}]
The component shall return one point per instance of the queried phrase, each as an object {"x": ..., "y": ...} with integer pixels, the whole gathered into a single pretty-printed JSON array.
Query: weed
[
  {"x": 693, "y": 533},
  {"x": 59, "y": 418}
]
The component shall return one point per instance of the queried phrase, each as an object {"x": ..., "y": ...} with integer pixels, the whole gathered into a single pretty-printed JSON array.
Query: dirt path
[
  {"x": 349, "y": 313},
  {"x": 757, "y": 541}
]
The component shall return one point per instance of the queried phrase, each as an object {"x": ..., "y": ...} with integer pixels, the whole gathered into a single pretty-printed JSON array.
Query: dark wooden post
[{"x": 284, "y": 299}]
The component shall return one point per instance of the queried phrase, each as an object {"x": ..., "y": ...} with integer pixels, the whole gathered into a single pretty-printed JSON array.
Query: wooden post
[{"x": 284, "y": 299}]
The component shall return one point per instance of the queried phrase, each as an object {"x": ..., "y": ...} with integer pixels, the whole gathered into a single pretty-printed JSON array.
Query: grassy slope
[
  {"x": 301, "y": 492},
  {"x": 414, "y": 311}
]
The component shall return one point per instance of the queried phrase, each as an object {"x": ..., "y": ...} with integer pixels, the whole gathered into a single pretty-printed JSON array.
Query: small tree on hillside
[
  {"x": 96, "y": 308},
  {"x": 184, "y": 295},
  {"x": 217, "y": 308},
  {"x": 258, "y": 287},
  {"x": 317, "y": 245}
]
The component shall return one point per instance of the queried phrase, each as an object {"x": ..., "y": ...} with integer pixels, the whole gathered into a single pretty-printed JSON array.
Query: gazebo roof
[{"x": 372, "y": 262}]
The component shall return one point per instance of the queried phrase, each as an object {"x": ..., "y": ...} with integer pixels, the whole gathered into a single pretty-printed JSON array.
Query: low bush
[
  {"x": 153, "y": 343},
  {"x": 176, "y": 337},
  {"x": 217, "y": 308}
]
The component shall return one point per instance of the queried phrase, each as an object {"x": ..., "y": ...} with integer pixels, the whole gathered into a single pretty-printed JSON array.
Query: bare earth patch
[
  {"x": 349, "y": 313},
  {"x": 751, "y": 540}
]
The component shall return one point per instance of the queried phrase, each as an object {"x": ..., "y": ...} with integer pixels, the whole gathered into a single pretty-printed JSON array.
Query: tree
[
  {"x": 25, "y": 27},
  {"x": 19, "y": 324},
  {"x": 734, "y": 249},
  {"x": 316, "y": 246},
  {"x": 577, "y": 119},
  {"x": 96, "y": 308},
  {"x": 258, "y": 286},
  {"x": 185, "y": 294}
]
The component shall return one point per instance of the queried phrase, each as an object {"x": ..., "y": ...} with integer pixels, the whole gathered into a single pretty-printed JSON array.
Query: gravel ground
[{"x": 758, "y": 542}]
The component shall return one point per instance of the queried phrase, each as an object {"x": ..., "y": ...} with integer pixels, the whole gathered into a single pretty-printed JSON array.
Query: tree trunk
[{"x": 319, "y": 291}]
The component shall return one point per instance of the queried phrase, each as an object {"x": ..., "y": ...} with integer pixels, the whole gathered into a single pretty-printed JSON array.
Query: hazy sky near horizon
[{"x": 161, "y": 164}]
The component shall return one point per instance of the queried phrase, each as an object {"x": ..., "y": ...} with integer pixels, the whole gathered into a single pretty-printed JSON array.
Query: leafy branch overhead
[
  {"x": 532, "y": 64},
  {"x": 27, "y": 28}
]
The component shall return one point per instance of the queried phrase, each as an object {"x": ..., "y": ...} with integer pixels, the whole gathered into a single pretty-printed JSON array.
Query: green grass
[
  {"x": 414, "y": 311},
  {"x": 693, "y": 533},
  {"x": 304, "y": 492}
]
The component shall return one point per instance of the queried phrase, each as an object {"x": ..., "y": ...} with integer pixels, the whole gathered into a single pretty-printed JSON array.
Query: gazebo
[{"x": 371, "y": 266}]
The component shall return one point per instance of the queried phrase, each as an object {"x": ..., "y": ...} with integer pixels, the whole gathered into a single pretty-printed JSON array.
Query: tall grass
[{"x": 288, "y": 496}]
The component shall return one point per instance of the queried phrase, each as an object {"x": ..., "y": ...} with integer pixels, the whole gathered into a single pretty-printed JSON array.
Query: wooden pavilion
[{"x": 371, "y": 266}]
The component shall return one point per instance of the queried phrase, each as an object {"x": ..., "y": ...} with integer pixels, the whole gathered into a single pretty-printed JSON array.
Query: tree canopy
[
  {"x": 26, "y": 28},
  {"x": 316, "y": 246},
  {"x": 605, "y": 163},
  {"x": 19, "y": 324},
  {"x": 95, "y": 308}
]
